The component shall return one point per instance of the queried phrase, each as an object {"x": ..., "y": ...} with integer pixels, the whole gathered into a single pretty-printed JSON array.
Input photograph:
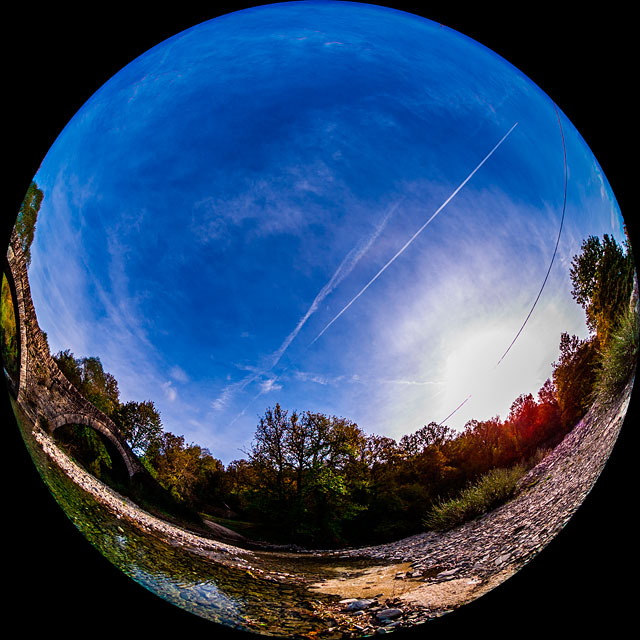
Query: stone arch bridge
[{"x": 41, "y": 390}]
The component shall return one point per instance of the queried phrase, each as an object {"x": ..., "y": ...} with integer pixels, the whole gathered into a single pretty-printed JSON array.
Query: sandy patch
[
  {"x": 453, "y": 593},
  {"x": 445, "y": 595},
  {"x": 377, "y": 581}
]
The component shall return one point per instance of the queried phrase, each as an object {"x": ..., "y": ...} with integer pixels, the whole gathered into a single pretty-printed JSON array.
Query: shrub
[
  {"x": 490, "y": 491},
  {"x": 618, "y": 359}
]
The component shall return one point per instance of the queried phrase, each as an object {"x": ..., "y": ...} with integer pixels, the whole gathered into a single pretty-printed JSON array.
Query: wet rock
[
  {"x": 388, "y": 614},
  {"x": 358, "y": 605}
]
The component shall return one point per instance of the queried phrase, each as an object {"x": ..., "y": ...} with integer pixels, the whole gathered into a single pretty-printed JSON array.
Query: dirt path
[{"x": 224, "y": 533}]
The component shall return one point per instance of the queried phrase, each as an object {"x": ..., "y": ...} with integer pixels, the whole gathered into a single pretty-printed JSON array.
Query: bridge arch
[
  {"x": 102, "y": 428},
  {"x": 42, "y": 388}
]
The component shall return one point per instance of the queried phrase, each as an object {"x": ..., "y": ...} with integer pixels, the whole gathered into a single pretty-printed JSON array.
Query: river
[{"x": 246, "y": 597}]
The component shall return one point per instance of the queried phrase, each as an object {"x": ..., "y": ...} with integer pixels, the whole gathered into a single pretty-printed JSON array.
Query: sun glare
[{"x": 472, "y": 372}]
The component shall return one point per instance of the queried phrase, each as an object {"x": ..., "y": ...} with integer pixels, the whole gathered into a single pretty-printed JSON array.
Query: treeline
[
  {"x": 310, "y": 478},
  {"x": 315, "y": 479}
]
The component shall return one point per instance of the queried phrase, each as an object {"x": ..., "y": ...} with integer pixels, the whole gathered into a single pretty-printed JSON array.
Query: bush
[
  {"x": 490, "y": 491},
  {"x": 618, "y": 358}
]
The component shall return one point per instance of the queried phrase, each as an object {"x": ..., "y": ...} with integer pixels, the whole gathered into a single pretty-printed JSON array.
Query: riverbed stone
[
  {"x": 358, "y": 605},
  {"x": 480, "y": 550},
  {"x": 388, "y": 614}
]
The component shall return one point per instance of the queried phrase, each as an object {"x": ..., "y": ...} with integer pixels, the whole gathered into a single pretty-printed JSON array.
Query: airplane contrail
[
  {"x": 553, "y": 257},
  {"x": 344, "y": 269},
  {"x": 415, "y": 235}
]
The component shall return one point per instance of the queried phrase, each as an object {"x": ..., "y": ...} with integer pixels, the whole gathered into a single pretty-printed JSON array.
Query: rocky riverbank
[
  {"x": 449, "y": 569},
  {"x": 424, "y": 576}
]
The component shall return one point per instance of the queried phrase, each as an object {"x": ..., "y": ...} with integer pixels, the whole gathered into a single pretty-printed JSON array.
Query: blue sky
[{"x": 217, "y": 203}]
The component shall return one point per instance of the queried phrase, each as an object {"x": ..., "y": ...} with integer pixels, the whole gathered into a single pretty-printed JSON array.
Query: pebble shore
[{"x": 440, "y": 570}]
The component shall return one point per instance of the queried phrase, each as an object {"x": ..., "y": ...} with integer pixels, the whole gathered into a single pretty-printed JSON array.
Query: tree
[
  {"x": 574, "y": 376},
  {"x": 380, "y": 450},
  {"x": 70, "y": 366},
  {"x": 547, "y": 393},
  {"x": 27, "y": 216},
  {"x": 269, "y": 454},
  {"x": 176, "y": 465},
  {"x": 431, "y": 434},
  {"x": 99, "y": 387},
  {"x": 88, "y": 376},
  {"x": 307, "y": 467},
  {"x": 602, "y": 278},
  {"x": 139, "y": 423},
  {"x": 8, "y": 331},
  {"x": 548, "y": 418}
]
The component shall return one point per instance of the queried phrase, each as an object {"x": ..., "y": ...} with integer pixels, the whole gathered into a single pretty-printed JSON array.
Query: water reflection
[{"x": 225, "y": 595}]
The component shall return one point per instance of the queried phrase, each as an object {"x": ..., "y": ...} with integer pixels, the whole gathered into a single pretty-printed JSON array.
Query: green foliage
[
  {"x": 490, "y": 491},
  {"x": 184, "y": 470},
  {"x": 8, "y": 332},
  {"x": 311, "y": 478},
  {"x": 149, "y": 467},
  {"x": 602, "y": 278},
  {"x": 139, "y": 423},
  {"x": 305, "y": 472},
  {"x": 87, "y": 448},
  {"x": 574, "y": 375},
  {"x": 619, "y": 358},
  {"x": 27, "y": 217},
  {"x": 91, "y": 380}
]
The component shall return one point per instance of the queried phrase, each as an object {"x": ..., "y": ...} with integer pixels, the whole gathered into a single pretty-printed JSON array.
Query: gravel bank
[{"x": 431, "y": 573}]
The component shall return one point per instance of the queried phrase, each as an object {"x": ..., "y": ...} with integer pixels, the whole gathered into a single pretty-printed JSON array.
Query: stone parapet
[{"x": 43, "y": 391}]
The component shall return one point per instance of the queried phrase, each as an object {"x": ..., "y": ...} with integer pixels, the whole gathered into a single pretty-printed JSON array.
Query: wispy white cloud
[
  {"x": 178, "y": 374},
  {"x": 316, "y": 378},
  {"x": 415, "y": 235},
  {"x": 412, "y": 383},
  {"x": 329, "y": 380},
  {"x": 223, "y": 399},
  {"x": 269, "y": 385},
  {"x": 344, "y": 269},
  {"x": 169, "y": 391}
]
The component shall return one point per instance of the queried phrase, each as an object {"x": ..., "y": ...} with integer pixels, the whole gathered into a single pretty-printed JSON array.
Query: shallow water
[{"x": 229, "y": 596}]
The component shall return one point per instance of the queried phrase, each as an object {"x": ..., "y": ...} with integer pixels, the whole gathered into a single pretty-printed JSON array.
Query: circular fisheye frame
[{"x": 318, "y": 320}]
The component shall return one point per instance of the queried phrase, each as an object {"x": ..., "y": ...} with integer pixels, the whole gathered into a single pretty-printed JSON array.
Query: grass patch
[
  {"x": 490, "y": 491},
  {"x": 618, "y": 360}
]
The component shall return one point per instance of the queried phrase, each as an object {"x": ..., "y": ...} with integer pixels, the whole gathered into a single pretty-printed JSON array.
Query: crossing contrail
[
  {"x": 344, "y": 269},
  {"x": 416, "y": 234}
]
